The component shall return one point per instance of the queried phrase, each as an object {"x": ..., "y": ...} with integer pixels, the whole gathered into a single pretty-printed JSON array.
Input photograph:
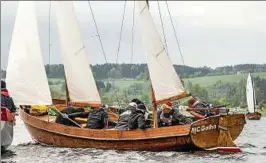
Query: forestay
[
  {"x": 79, "y": 77},
  {"x": 165, "y": 82},
  {"x": 250, "y": 94},
  {"x": 26, "y": 78}
]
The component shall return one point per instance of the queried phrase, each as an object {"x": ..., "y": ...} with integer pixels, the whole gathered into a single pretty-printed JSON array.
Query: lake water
[{"x": 23, "y": 150}]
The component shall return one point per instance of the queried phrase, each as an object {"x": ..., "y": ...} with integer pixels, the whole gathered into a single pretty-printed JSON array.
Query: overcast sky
[{"x": 211, "y": 34}]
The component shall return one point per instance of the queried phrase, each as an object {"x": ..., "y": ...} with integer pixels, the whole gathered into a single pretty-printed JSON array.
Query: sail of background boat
[{"x": 250, "y": 94}]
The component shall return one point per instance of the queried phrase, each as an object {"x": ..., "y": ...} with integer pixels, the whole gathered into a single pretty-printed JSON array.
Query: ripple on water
[{"x": 24, "y": 150}]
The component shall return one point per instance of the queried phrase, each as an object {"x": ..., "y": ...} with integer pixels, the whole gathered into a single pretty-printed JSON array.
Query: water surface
[{"x": 24, "y": 150}]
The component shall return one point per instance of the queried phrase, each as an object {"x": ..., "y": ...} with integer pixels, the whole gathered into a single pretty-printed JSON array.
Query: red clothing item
[{"x": 5, "y": 93}]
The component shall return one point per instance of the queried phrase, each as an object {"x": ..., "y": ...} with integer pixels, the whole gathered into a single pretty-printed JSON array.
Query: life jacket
[{"x": 7, "y": 101}]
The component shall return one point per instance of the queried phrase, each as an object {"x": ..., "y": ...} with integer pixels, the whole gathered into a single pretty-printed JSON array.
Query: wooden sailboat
[
  {"x": 251, "y": 100},
  {"x": 209, "y": 133}
]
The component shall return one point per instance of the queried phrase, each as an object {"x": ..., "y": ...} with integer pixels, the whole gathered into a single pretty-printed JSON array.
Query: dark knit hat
[
  {"x": 137, "y": 101},
  {"x": 3, "y": 84},
  {"x": 142, "y": 107}
]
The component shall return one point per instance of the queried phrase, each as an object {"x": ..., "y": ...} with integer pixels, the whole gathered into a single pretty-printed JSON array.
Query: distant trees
[{"x": 140, "y": 71}]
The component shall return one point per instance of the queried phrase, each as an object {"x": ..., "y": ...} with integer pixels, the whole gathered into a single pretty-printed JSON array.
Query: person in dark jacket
[
  {"x": 98, "y": 118},
  {"x": 169, "y": 116},
  {"x": 136, "y": 118},
  {"x": 123, "y": 118},
  {"x": 199, "y": 114},
  {"x": 6, "y": 100},
  {"x": 68, "y": 111}
]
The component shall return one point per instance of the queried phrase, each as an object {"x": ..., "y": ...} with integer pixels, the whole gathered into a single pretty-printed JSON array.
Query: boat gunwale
[{"x": 26, "y": 116}]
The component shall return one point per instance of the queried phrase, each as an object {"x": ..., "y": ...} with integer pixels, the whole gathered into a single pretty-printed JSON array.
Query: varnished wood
[
  {"x": 84, "y": 104},
  {"x": 253, "y": 116},
  {"x": 214, "y": 137},
  {"x": 167, "y": 138},
  {"x": 206, "y": 109},
  {"x": 67, "y": 92},
  {"x": 177, "y": 97},
  {"x": 154, "y": 109}
]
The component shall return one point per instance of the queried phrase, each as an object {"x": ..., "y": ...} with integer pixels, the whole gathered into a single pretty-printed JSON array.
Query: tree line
[
  {"x": 233, "y": 94},
  {"x": 140, "y": 71}
]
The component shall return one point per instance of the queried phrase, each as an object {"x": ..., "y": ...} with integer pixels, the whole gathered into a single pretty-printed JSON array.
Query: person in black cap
[
  {"x": 136, "y": 119},
  {"x": 6, "y": 100}
]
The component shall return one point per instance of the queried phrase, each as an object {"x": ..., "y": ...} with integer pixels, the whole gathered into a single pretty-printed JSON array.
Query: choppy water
[{"x": 23, "y": 150}]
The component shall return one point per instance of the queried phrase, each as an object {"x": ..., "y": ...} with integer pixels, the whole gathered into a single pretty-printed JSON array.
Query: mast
[
  {"x": 154, "y": 109},
  {"x": 254, "y": 94}
]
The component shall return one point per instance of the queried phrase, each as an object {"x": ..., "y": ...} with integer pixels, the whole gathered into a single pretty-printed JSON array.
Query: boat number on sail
[{"x": 203, "y": 128}]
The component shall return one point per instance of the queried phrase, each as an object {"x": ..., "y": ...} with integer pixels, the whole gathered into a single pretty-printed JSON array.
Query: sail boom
[{"x": 177, "y": 97}]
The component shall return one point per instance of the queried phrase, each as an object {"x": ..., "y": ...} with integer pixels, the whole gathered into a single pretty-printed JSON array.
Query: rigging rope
[
  {"x": 175, "y": 35},
  {"x": 99, "y": 37},
  {"x": 97, "y": 32},
  {"x": 118, "y": 50},
  {"x": 121, "y": 30},
  {"x": 49, "y": 37},
  {"x": 159, "y": 8},
  {"x": 132, "y": 39}
]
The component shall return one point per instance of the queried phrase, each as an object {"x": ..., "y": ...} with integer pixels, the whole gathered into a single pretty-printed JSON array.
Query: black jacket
[
  {"x": 7, "y": 101},
  {"x": 123, "y": 119},
  {"x": 177, "y": 118},
  {"x": 97, "y": 119},
  {"x": 59, "y": 118},
  {"x": 136, "y": 120}
]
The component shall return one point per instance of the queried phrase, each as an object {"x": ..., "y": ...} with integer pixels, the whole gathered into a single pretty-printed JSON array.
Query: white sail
[
  {"x": 79, "y": 77},
  {"x": 250, "y": 94},
  {"x": 165, "y": 82},
  {"x": 26, "y": 78}
]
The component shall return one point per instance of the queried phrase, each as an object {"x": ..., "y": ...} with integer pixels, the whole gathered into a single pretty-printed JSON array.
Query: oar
[{"x": 66, "y": 117}]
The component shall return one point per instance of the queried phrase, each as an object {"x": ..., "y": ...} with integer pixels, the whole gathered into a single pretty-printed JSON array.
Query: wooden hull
[
  {"x": 183, "y": 137},
  {"x": 253, "y": 116}
]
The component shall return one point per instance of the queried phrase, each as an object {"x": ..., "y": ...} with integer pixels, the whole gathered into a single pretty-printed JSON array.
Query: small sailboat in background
[{"x": 251, "y": 100}]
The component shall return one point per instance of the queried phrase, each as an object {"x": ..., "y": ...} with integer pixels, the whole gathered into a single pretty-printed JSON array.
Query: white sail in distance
[{"x": 250, "y": 94}]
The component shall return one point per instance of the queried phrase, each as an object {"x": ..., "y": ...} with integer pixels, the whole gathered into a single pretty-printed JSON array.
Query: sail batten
[
  {"x": 79, "y": 77},
  {"x": 165, "y": 81},
  {"x": 25, "y": 75},
  {"x": 250, "y": 94}
]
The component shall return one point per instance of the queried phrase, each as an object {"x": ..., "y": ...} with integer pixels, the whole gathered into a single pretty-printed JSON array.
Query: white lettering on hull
[{"x": 203, "y": 128}]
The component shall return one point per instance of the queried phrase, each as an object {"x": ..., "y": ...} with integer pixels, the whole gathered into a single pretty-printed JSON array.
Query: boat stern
[{"x": 218, "y": 132}]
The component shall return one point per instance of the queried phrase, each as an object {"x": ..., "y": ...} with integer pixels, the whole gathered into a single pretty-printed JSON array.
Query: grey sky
[{"x": 210, "y": 33}]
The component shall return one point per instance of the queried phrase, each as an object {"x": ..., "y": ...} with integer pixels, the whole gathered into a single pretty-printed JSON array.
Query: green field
[
  {"x": 210, "y": 80},
  {"x": 202, "y": 81},
  {"x": 57, "y": 85}
]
